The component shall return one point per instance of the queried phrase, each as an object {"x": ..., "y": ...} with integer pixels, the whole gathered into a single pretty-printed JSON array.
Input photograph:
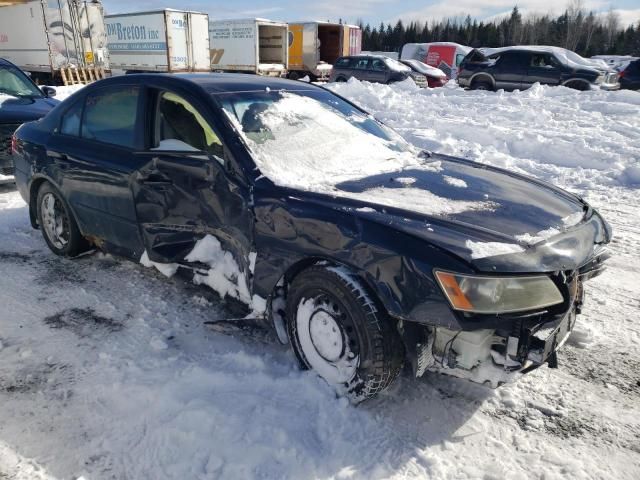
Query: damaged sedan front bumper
[{"x": 494, "y": 356}]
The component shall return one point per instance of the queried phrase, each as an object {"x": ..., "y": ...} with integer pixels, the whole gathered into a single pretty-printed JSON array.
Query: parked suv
[
  {"x": 20, "y": 101},
  {"x": 374, "y": 68},
  {"x": 630, "y": 76},
  {"x": 520, "y": 67}
]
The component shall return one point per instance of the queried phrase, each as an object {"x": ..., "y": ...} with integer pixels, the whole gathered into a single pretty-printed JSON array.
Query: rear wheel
[
  {"x": 337, "y": 330},
  {"x": 294, "y": 76},
  {"x": 341, "y": 79},
  {"x": 59, "y": 228},
  {"x": 578, "y": 85}
]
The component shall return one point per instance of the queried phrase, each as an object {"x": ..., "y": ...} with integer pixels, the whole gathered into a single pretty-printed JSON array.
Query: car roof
[
  {"x": 6, "y": 63},
  {"x": 217, "y": 82}
]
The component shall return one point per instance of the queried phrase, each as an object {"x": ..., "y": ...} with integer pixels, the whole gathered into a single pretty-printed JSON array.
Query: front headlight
[{"x": 479, "y": 294}]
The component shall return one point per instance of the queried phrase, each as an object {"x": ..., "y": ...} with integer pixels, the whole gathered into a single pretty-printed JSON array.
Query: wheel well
[
  {"x": 481, "y": 78},
  {"x": 578, "y": 84},
  {"x": 280, "y": 288},
  {"x": 33, "y": 199}
]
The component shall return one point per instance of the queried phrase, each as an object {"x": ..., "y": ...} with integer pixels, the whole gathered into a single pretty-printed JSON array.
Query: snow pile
[
  {"x": 224, "y": 275},
  {"x": 581, "y": 140},
  {"x": 106, "y": 370}
]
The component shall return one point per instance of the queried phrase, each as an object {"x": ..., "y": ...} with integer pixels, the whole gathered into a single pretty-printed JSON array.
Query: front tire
[
  {"x": 337, "y": 329},
  {"x": 482, "y": 85},
  {"x": 58, "y": 226}
]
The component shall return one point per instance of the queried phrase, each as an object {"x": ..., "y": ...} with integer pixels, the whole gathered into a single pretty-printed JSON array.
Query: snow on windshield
[{"x": 300, "y": 142}]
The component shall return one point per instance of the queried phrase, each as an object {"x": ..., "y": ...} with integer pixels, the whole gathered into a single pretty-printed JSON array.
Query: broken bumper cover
[{"x": 494, "y": 356}]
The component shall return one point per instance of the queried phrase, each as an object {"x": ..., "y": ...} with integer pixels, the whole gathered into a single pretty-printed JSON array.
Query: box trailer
[
  {"x": 253, "y": 46},
  {"x": 55, "y": 40},
  {"x": 446, "y": 56},
  {"x": 159, "y": 41},
  {"x": 315, "y": 46},
  {"x": 352, "y": 40}
]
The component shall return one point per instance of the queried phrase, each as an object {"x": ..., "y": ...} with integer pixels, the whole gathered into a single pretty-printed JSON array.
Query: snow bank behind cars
[{"x": 578, "y": 140}]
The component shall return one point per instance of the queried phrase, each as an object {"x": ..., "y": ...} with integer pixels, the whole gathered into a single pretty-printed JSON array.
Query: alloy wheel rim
[{"x": 55, "y": 221}]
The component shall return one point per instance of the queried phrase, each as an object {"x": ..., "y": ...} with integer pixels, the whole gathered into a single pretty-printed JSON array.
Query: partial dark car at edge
[
  {"x": 448, "y": 264},
  {"x": 20, "y": 101},
  {"x": 630, "y": 76}
]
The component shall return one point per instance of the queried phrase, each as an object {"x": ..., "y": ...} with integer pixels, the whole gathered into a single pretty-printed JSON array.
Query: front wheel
[
  {"x": 481, "y": 85},
  {"x": 59, "y": 228},
  {"x": 337, "y": 330}
]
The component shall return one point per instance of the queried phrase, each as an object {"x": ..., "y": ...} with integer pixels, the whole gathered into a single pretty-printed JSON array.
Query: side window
[
  {"x": 459, "y": 58},
  {"x": 541, "y": 60},
  {"x": 180, "y": 127},
  {"x": 70, "y": 124},
  {"x": 362, "y": 64},
  {"x": 512, "y": 59},
  {"x": 378, "y": 65},
  {"x": 110, "y": 116},
  {"x": 343, "y": 62}
]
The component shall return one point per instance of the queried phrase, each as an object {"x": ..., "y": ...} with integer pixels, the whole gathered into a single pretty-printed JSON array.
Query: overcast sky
[{"x": 370, "y": 11}]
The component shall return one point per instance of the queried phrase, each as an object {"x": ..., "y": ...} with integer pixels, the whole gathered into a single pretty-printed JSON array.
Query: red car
[{"x": 435, "y": 76}]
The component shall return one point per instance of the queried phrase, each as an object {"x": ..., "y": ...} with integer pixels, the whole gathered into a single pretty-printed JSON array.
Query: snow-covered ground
[{"x": 108, "y": 372}]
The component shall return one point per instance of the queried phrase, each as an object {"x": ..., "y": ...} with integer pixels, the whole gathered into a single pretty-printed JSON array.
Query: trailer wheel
[{"x": 294, "y": 76}]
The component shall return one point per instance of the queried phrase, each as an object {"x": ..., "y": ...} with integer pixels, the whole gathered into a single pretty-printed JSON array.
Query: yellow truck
[{"x": 315, "y": 46}]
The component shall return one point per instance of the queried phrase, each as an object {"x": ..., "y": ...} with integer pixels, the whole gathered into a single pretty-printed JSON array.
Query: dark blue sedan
[
  {"x": 20, "y": 101},
  {"x": 362, "y": 250}
]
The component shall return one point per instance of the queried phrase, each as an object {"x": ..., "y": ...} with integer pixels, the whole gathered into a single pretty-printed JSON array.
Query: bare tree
[
  {"x": 611, "y": 25},
  {"x": 590, "y": 25},
  {"x": 575, "y": 19}
]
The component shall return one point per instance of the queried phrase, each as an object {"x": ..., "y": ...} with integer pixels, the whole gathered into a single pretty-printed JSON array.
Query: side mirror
[{"x": 48, "y": 91}]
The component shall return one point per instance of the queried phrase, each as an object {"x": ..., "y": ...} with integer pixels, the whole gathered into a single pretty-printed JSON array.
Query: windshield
[
  {"x": 13, "y": 82},
  {"x": 313, "y": 139}
]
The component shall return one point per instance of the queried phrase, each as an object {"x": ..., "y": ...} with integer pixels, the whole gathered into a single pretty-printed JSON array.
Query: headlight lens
[{"x": 478, "y": 294}]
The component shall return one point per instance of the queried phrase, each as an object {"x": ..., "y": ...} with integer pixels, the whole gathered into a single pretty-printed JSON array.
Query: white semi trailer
[
  {"x": 159, "y": 41},
  {"x": 53, "y": 39},
  {"x": 250, "y": 46}
]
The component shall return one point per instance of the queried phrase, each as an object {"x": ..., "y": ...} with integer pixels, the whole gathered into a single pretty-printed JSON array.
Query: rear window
[{"x": 110, "y": 116}]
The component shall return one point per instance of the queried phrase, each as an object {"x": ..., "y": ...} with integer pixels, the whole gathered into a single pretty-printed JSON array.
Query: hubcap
[
  {"x": 55, "y": 222},
  {"x": 326, "y": 336}
]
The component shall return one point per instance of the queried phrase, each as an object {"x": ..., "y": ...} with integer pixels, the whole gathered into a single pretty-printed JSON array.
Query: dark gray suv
[{"x": 374, "y": 68}]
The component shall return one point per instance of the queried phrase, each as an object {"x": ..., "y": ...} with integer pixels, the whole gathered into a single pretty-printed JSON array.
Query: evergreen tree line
[{"x": 586, "y": 33}]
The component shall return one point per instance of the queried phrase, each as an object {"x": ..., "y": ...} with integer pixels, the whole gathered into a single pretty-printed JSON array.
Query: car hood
[
  {"x": 20, "y": 110},
  {"x": 501, "y": 221}
]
